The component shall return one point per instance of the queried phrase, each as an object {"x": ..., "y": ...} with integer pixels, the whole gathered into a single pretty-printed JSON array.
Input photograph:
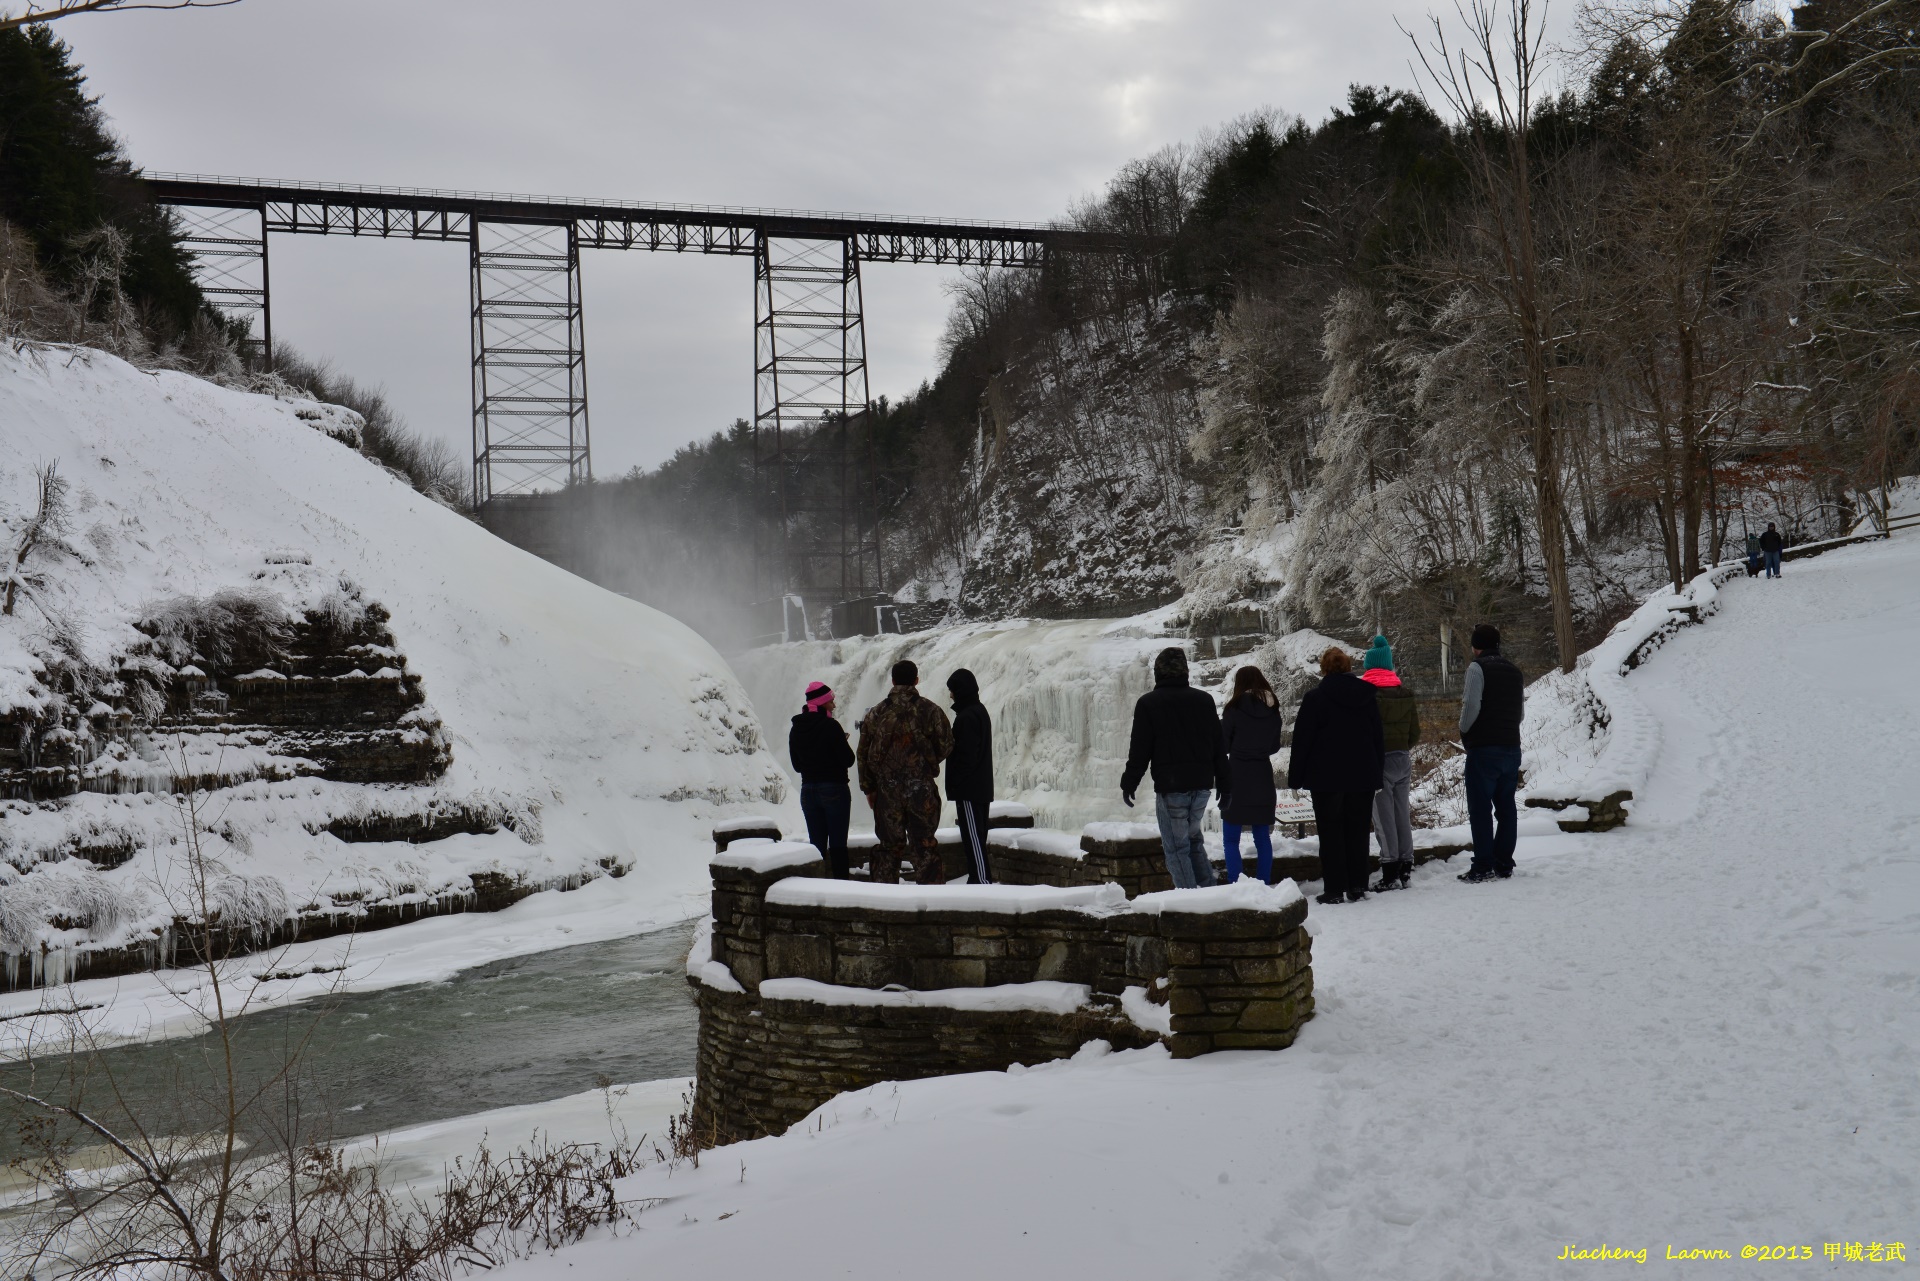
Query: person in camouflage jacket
[{"x": 903, "y": 739}]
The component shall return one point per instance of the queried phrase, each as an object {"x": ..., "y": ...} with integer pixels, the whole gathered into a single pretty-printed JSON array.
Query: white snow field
[
  {"x": 1697, "y": 1032},
  {"x": 616, "y": 728}
]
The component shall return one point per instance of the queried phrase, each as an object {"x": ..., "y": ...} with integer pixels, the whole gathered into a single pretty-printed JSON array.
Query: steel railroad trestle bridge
[{"x": 528, "y": 353}]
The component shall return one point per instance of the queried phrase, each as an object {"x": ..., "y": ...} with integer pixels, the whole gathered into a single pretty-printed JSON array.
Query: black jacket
[
  {"x": 819, "y": 748},
  {"x": 1771, "y": 541},
  {"x": 1177, "y": 732},
  {"x": 1503, "y": 703},
  {"x": 1337, "y": 745},
  {"x": 1252, "y": 733},
  {"x": 970, "y": 768}
]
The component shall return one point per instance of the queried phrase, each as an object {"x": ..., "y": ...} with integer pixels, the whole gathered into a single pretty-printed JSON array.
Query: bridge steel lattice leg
[
  {"x": 229, "y": 248},
  {"x": 818, "y": 535},
  {"x": 529, "y": 360}
]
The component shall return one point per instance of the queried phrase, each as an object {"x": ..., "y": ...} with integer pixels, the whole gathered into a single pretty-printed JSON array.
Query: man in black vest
[{"x": 1494, "y": 700}]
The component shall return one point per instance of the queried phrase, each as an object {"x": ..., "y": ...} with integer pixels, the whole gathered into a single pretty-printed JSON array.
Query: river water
[{"x": 524, "y": 1030}]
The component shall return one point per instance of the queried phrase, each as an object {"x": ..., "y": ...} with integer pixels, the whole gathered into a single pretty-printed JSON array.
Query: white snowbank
[
  {"x": 1157, "y": 1019},
  {"x": 1121, "y": 831},
  {"x": 1040, "y": 840},
  {"x": 1044, "y": 997},
  {"x": 757, "y": 854},
  {"x": 746, "y": 823},
  {"x": 1243, "y": 895},
  {"x": 802, "y": 891},
  {"x": 1587, "y": 734},
  {"x": 700, "y": 963}
]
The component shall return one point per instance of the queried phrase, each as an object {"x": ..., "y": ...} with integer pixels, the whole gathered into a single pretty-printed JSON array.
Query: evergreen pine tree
[{"x": 63, "y": 175}]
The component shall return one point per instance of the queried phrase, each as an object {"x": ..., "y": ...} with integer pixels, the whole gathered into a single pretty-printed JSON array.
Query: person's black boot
[
  {"x": 1393, "y": 876},
  {"x": 1335, "y": 897},
  {"x": 1475, "y": 878}
]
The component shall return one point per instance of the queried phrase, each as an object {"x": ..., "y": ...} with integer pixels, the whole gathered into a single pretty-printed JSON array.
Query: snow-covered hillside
[
  {"x": 1697, "y": 1032},
  {"x": 602, "y": 734}
]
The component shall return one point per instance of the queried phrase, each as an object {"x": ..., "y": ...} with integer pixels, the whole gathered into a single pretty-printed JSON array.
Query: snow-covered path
[{"x": 1698, "y": 1032}]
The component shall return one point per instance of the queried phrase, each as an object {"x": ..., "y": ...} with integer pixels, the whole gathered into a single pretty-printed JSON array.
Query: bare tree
[
  {"x": 35, "y": 14},
  {"x": 1493, "y": 81}
]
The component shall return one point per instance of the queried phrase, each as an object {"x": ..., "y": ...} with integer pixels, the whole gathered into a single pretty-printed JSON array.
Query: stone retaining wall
[{"x": 809, "y": 987}]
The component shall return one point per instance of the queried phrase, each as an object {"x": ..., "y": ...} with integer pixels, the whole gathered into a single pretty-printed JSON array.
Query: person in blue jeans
[
  {"x": 1492, "y": 704},
  {"x": 1176, "y": 733},
  {"x": 1771, "y": 545},
  {"x": 1251, "y": 727},
  {"x": 821, "y": 754}
]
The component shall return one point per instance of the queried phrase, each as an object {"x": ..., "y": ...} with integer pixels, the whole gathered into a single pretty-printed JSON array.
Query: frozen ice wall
[{"x": 1061, "y": 695}]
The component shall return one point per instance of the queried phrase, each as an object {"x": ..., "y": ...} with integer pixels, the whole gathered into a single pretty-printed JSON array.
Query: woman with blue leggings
[{"x": 1251, "y": 726}]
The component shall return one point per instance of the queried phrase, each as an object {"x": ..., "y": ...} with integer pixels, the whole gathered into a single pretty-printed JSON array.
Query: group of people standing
[
  {"x": 1763, "y": 551},
  {"x": 1353, "y": 737},
  {"x": 904, "y": 739}
]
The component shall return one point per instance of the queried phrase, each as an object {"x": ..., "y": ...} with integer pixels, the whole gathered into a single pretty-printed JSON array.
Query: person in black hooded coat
[
  {"x": 1251, "y": 728},
  {"x": 1340, "y": 757},
  {"x": 970, "y": 772}
]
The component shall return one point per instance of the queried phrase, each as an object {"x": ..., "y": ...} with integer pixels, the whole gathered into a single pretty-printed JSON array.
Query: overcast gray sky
[{"x": 992, "y": 109}]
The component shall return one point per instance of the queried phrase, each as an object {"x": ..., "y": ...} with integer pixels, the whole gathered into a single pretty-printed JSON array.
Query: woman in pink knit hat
[{"x": 818, "y": 746}]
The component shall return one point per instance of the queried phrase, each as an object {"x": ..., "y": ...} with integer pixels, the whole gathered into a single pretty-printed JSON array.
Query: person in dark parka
[
  {"x": 1251, "y": 728},
  {"x": 970, "y": 772},
  {"x": 817, "y": 744},
  {"x": 1339, "y": 756},
  {"x": 1493, "y": 705},
  {"x": 1176, "y": 733},
  {"x": 1771, "y": 545}
]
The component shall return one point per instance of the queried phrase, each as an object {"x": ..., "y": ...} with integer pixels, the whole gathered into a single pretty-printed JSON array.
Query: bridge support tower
[
  {"x": 529, "y": 360},
  {"x": 818, "y": 534},
  {"x": 229, "y": 247}
]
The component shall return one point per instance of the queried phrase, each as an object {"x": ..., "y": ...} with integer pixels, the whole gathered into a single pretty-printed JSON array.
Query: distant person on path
[
  {"x": 970, "y": 772},
  {"x": 903, "y": 739},
  {"x": 1754, "y": 554},
  {"x": 1338, "y": 756},
  {"x": 1492, "y": 703},
  {"x": 1399, "y": 731},
  {"x": 1177, "y": 732},
  {"x": 1251, "y": 728},
  {"x": 817, "y": 744},
  {"x": 1771, "y": 545}
]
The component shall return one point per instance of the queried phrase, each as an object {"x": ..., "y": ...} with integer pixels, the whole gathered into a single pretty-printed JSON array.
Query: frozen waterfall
[{"x": 1061, "y": 695}]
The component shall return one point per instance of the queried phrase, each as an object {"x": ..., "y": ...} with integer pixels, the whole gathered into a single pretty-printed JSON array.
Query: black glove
[
  {"x": 1127, "y": 797},
  {"x": 1226, "y": 800}
]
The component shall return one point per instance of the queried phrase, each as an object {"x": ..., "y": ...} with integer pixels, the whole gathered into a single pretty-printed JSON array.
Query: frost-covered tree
[{"x": 38, "y": 538}]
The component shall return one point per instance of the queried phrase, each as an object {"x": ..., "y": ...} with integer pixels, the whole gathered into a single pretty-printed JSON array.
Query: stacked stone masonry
[{"x": 1239, "y": 978}]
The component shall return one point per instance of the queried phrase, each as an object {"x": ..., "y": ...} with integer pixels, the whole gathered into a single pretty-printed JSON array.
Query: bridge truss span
[{"x": 528, "y": 326}]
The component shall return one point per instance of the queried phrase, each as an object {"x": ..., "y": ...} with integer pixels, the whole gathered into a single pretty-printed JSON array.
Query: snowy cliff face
[
  {"x": 556, "y": 730},
  {"x": 1087, "y": 503}
]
